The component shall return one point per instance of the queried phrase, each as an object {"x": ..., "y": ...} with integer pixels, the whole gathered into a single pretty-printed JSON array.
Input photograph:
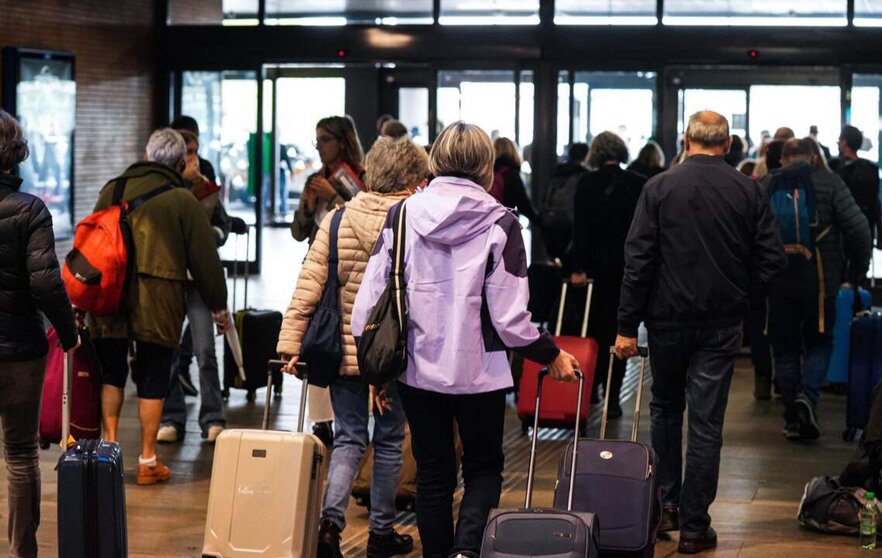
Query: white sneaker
[
  {"x": 168, "y": 434},
  {"x": 213, "y": 432}
]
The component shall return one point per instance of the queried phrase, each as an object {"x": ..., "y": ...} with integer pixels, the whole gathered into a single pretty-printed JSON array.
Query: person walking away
[
  {"x": 508, "y": 187},
  {"x": 702, "y": 234},
  {"x": 862, "y": 178},
  {"x": 466, "y": 292},
  {"x": 172, "y": 238},
  {"x": 394, "y": 168},
  {"x": 802, "y": 299},
  {"x": 340, "y": 178},
  {"x": 604, "y": 205},
  {"x": 30, "y": 284},
  {"x": 199, "y": 332},
  {"x": 557, "y": 209},
  {"x": 650, "y": 161}
]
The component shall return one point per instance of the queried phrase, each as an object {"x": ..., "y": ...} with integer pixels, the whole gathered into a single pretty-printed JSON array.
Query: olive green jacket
[{"x": 172, "y": 237}]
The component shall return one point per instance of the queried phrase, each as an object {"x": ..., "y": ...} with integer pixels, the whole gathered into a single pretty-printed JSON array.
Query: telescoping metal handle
[
  {"x": 563, "y": 299},
  {"x": 65, "y": 398},
  {"x": 275, "y": 367},
  {"x": 643, "y": 352},
  {"x": 531, "y": 471}
]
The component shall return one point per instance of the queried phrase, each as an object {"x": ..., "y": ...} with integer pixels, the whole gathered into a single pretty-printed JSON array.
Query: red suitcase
[
  {"x": 85, "y": 420},
  {"x": 559, "y": 399}
]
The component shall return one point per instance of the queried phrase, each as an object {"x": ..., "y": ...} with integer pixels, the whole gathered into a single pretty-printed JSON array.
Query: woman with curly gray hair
[
  {"x": 30, "y": 283},
  {"x": 603, "y": 207}
]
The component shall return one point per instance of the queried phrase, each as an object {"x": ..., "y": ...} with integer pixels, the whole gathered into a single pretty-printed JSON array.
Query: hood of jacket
[
  {"x": 452, "y": 211},
  {"x": 365, "y": 214}
]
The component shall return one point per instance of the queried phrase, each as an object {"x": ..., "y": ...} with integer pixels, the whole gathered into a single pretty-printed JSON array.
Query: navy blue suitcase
[
  {"x": 91, "y": 493},
  {"x": 535, "y": 532},
  {"x": 616, "y": 480},
  {"x": 864, "y": 369}
]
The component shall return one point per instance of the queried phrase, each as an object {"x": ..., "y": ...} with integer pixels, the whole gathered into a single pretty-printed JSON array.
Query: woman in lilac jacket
[{"x": 466, "y": 275}]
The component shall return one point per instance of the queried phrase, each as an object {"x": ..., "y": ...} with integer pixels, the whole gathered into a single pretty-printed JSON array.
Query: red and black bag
[{"x": 96, "y": 272}]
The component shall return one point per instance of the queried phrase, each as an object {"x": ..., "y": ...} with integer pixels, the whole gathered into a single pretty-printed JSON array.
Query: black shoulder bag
[
  {"x": 382, "y": 349},
  {"x": 322, "y": 346}
]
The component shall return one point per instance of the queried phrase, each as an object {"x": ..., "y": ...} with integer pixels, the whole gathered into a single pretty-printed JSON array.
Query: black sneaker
[
  {"x": 670, "y": 520},
  {"x": 187, "y": 383},
  {"x": 329, "y": 541},
  {"x": 392, "y": 544},
  {"x": 762, "y": 388},
  {"x": 325, "y": 432},
  {"x": 705, "y": 541},
  {"x": 808, "y": 419},
  {"x": 615, "y": 410}
]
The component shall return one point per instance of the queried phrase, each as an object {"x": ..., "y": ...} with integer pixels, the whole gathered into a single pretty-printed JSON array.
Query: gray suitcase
[
  {"x": 537, "y": 532},
  {"x": 616, "y": 480}
]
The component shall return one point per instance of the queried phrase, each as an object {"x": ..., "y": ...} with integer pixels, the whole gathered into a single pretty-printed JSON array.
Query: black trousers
[{"x": 480, "y": 418}]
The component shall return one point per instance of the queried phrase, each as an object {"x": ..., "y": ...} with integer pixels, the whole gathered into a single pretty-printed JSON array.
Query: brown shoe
[
  {"x": 152, "y": 474},
  {"x": 669, "y": 520}
]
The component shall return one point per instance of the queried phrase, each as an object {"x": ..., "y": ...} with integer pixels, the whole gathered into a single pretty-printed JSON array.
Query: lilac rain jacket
[{"x": 466, "y": 275}]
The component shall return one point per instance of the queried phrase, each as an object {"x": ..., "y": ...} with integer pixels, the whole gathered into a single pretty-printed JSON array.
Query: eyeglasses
[{"x": 322, "y": 140}]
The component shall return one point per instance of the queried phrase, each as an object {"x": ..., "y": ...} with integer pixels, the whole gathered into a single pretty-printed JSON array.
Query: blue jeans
[
  {"x": 349, "y": 398},
  {"x": 802, "y": 353},
  {"x": 174, "y": 410},
  {"x": 690, "y": 367}
]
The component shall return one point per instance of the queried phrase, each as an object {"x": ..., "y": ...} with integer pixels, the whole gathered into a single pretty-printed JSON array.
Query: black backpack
[{"x": 829, "y": 507}]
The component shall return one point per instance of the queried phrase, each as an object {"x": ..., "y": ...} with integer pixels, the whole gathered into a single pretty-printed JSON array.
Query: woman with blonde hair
[
  {"x": 508, "y": 188},
  {"x": 466, "y": 292},
  {"x": 393, "y": 169}
]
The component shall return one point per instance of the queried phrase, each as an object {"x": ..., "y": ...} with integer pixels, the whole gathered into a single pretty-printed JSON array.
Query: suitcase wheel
[
  {"x": 277, "y": 391},
  {"x": 226, "y": 393},
  {"x": 44, "y": 444},
  {"x": 251, "y": 395}
]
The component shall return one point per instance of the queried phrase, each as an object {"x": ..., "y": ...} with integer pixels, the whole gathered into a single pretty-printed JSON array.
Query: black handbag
[
  {"x": 382, "y": 349},
  {"x": 322, "y": 346}
]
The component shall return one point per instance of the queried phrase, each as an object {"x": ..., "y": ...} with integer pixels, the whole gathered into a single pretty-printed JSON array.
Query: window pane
[
  {"x": 730, "y": 103},
  {"x": 797, "y": 107},
  {"x": 413, "y": 111},
  {"x": 563, "y": 112},
  {"x": 485, "y": 98},
  {"x": 620, "y": 102},
  {"x": 212, "y": 12},
  {"x": 489, "y": 12},
  {"x": 866, "y": 96},
  {"x": 525, "y": 116},
  {"x": 605, "y": 12},
  {"x": 755, "y": 12},
  {"x": 868, "y": 13},
  {"x": 341, "y": 12}
]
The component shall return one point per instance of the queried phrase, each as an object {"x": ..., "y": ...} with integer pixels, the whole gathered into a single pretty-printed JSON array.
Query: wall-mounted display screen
[{"x": 39, "y": 89}]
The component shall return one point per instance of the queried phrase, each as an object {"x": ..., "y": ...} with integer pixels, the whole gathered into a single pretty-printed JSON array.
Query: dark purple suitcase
[
  {"x": 616, "y": 480},
  {"x": 91, "y": 493},
  {"x": 538, "y": 532}
]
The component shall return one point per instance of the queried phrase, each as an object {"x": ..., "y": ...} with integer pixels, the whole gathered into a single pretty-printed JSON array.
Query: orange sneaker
[{"x": 152, "y": 474}]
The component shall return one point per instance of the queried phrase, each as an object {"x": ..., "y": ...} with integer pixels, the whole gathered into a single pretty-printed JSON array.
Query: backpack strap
[
  {"x": 396, "y": 273},
  {"x": 141, "y": 200},
  {"x": 119, "y": 188}
]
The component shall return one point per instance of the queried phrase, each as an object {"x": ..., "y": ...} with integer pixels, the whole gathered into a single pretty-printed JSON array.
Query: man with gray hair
[
  {"x": 702, "y": 235},
  {"x": 172, "y": 242}
]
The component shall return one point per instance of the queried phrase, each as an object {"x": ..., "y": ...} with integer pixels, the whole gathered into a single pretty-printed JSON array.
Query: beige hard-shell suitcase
[{"x": 266, "y": 490}]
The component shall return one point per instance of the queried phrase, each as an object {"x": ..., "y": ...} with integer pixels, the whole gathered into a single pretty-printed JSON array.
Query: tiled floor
[{"x": 761, "y": 481}]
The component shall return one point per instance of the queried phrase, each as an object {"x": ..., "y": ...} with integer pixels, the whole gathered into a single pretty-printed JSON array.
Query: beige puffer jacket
[{"x": 359, "y": 229}]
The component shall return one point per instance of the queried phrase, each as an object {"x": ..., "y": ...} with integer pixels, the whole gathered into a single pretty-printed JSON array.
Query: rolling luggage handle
[
  {"x": 531, "y": 471},
  {"x": 644, "y": 352},
  {"x": 563, "y": 299},
  {"x": 275, "y": 367},
  {"x": 67, "y": 378}
]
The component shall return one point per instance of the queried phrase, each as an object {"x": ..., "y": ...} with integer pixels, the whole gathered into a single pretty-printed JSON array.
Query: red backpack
[{"x": 96, "y": 272}]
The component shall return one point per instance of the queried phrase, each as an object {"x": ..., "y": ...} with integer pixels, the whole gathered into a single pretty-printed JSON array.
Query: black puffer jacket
[{"x": 30, "y": 281}]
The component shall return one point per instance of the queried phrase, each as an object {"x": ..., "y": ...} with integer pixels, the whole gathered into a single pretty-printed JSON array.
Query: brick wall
[{"x": 112, "y": 42}]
